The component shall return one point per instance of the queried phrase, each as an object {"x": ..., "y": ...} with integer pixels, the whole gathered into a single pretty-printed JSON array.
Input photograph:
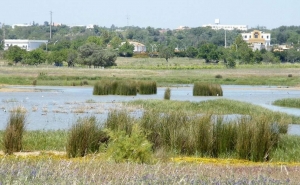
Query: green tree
[
  {"x": 115, "y": 42},
  {"x": 96, "y": 40},
  {"x": 71, "y": 58},
  {"x": 15, "y": 54},
  {"x": 91, "y": 54},
  {"x": 58, "y": 57},
  {"x": 126, "y": 49},
  {"x": 209, "y": 53},
  {"x": 166, "y": 52},
  {"x": 35, "y": 57},
  {"x": 191, "y": 52}
]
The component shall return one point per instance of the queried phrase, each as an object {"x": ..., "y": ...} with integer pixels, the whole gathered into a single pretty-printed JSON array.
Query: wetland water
[{"x": 58, "y": 107}]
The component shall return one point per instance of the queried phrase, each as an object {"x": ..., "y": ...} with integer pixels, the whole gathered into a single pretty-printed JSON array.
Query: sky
[{"x": 154, "y": 13}]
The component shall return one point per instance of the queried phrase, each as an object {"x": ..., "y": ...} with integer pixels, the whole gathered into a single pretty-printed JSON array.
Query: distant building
[
  {"x": 227, "y": 27},
  {"x": 258, "y": 40},
  {"x": 218, "y": 26},
  {"x": 28, "y": 45},
  {"x": 138, "y": 47},
  {"x": 182, "y": 28},
  {"x": 20, "y": 25}
]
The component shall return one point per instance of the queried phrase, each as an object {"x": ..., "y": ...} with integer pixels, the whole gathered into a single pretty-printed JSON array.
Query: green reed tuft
[
  {"x": 206, "y": 89},
  {"x": 84, "y": 137},
  {"x": 167, "y": 94},
  {"x": 119, "y": 120},
  {"x": 13, "y": 134},
  {"x": 147, "y": 87}
]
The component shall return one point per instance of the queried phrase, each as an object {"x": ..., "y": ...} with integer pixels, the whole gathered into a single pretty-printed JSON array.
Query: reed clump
[
  {"x": 119, "y": 120},
  {"x": 167, "y": 94},
  {"x": 13, "y": 134},
  {"x": 112, "y": 87},
  {"x": 147, "y": 87},
  {"x": 186, "y": 134},
  {"x": 207, "y": 89},
  {"x": 84, "y": 137}
]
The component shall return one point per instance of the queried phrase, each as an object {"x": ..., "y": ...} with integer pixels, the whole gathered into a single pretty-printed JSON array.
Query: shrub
[
  {"x": 167, "y": 94},
  {"x": 206, "y": 89},
  {"x": 218, "y": 76},
  {"x": 133, "y": 148},
  {"x": 84, "y": 83},
  {"x": 147, "y": 87},
  {"x": 84, "y": 137},
  {"x": 13, "y": 134},
  {"x": 34, "y": 82},
  {"x": 290, "y": 75}
]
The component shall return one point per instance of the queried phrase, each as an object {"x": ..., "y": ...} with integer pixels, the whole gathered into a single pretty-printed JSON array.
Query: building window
[
  {"x": 267, "y": 36},
  {"x": 262, "y": 37},
  {"x": 245, "y": 36},
  {"x": 256, "y": 35}
]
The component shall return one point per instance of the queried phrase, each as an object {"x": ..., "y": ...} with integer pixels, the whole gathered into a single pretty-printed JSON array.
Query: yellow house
[{"x": 257, "y": 39}]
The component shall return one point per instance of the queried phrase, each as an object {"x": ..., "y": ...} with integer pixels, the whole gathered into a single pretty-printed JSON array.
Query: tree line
[{"x": 67, "y": 44}]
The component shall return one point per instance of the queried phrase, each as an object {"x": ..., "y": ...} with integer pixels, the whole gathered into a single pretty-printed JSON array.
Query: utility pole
[
  {"x": 50, "y": 25},
  {"x": 225, "y": 40},
  {"x": 127, "y": 20}
]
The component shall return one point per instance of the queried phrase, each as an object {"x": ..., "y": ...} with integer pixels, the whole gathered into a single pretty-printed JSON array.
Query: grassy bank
[{"x": 279, "y": 75}]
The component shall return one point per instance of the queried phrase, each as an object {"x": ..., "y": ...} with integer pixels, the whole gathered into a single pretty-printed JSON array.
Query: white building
[
  {"x": 257, "y": 39},
  {"x": 138, "y": 47},
  {"x": 20, "y": 25},
  {"x": 226, "y": 27},
  {"x": 218, "y": 26},
  {"x": 28, "y": 45}
]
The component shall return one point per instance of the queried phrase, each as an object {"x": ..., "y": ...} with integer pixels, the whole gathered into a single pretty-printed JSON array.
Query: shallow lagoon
[{"x": 59, "y": 107}]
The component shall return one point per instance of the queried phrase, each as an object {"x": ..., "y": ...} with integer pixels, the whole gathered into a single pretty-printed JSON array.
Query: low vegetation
[{"x": 288, "y": 102}]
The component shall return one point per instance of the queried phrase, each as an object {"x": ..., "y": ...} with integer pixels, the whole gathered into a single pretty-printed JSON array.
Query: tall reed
[
  {"x": 15, "y": 128},
  {"x": 126, "y": 88},
  {"x": 119, "y": 120},
  {"x": 206, "y": 89},
  {"x": 147, "y": 87},
  {"x": 106, "y": 87},
  {"x": 84, "y": 137},
  {"x": 167, "y": 94}
]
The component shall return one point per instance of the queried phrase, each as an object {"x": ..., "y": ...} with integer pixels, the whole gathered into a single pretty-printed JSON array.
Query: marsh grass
[
  {"x": 186, "y": 134},
  {"x": 84, "y": 137},
  {"x": 147, "y": 87},
  {"x": 288, "y": 102},
  {"x": 167, "y": 94},
  {"x": 207, "y": 89},
  {"x": 106, "y": 87},
  {"x": 13, "y": 134},
  {"x": 127, "y": 88},
  {"x": 119, "y": 120}
]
